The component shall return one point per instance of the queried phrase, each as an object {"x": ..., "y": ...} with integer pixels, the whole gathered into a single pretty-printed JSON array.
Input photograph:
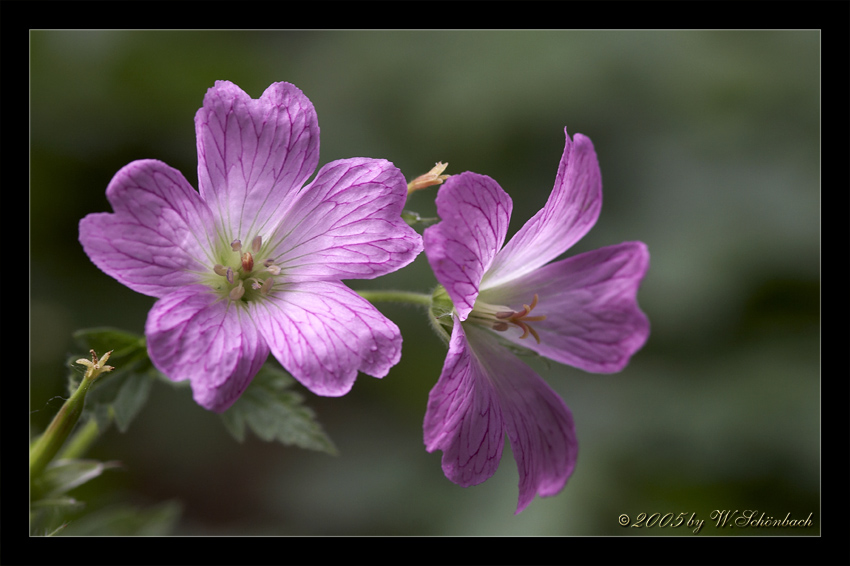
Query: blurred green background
[{"x": 709, "y": 149}]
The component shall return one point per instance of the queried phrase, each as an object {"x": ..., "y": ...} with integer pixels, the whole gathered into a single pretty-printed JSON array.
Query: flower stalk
[
  {"x": 45, "y": 448},
  {"x": 409, "y": 297}
]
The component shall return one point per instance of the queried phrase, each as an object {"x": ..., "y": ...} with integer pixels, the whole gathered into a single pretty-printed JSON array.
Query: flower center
[
  {"x": 501, "y": 318},
  {"x": 244, "y": 274}
]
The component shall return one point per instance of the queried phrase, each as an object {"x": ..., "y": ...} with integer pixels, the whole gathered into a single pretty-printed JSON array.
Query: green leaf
[
  {"x": 57, "y": 502},
  {"x": 122, "y": 393},
  {"x": 274, "y": 413},
  {"x": 159, "y": 520},
  {"x": 104, "y": 339},
  {"x": 62, "y": 476}
]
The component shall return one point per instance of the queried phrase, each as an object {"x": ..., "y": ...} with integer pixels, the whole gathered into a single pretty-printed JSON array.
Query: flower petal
[
  {"x": 485, "y": 391},
  {"x": 570, "y": 212},
  {"x": 159, "y": 234},
  {"x": 593, "y": 321},
  {"x": 464, "y": 416},
  {"x": 213, "y": 343},
  {"x": 322, "y": 333},
  {"x": 475, "y": 212},
  {"x": 254, "y": 155},
  {"x": 347, "y": 224}
]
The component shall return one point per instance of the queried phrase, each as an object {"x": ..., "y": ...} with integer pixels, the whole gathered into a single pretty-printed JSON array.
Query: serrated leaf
[{"x": 274, "y": 413}]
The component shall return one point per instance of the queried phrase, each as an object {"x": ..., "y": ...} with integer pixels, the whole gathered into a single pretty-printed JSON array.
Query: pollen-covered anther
[{"x": 247, "y": 262}]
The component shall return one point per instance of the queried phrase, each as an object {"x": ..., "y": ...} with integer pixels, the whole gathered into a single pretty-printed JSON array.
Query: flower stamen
[
  {"x": 243, "y": 281},
  {"x": 237, "y": 292},
  {"x": 247, "y": 262},
  {"x": 519, "y": 319},
  {"x": 267, "y": 286}
]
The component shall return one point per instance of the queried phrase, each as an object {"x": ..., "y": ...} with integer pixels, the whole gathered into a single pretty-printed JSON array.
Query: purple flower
[
  {"x": 253, "y": 264},
  {"x": 580, "y": 311}
]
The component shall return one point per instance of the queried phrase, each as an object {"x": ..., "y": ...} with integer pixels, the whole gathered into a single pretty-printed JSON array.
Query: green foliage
[
  {"x": 121, "y": 394},
  {"x": 157, "y": 520},
  {"x": 50, "y": 504},
  {"x": 273, "y": 412},
  {"x": 267, "y": 407},
  {"x": 64, "y": 475}
]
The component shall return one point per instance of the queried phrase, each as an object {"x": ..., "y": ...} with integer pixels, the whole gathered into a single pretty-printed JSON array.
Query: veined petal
[
  {"x": 322, "y": 333},
  {"x": 254, "y": 155},
  {"x": 538, "y": 422},
  {"x": 474, "y": 212},
  {"x": 213, "y": 343},
  {"x": 485, "y": 392},
  {"x": 571, "y": 211},
  {"x": 593, "y": 321},
  {"x": 347, "y": 224},
  {"x": 464, "y": 416},
  {"x": 160, "y": 235}
]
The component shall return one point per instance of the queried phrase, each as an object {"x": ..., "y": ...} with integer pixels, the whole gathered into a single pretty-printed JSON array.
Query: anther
[
  {"x": 256, "y": 244},
  {"x": 271, "y": 267},
  {"x": 220, "y": 270},
  {"x": 520, "y": 319},
  {"x": 236, "y": 245},
  {"x": 247, "y": 262},
  {"x": 229, "y": 275},
  {"x": 267, "y": 286},
  {"x": 237, "y": 292}
]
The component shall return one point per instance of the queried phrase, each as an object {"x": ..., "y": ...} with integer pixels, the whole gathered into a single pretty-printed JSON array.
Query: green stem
[
  {"x": 420, "y": 299},
  {"x": 45, "y": 448},
  {"x": 79, "y": 444},
  {"x": 48, "y": 444}
]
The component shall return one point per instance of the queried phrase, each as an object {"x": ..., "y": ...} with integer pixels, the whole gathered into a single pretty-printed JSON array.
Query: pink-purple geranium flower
[
  {"x": 580, "y": 311},
  {"x": 253, "y": 263}
]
